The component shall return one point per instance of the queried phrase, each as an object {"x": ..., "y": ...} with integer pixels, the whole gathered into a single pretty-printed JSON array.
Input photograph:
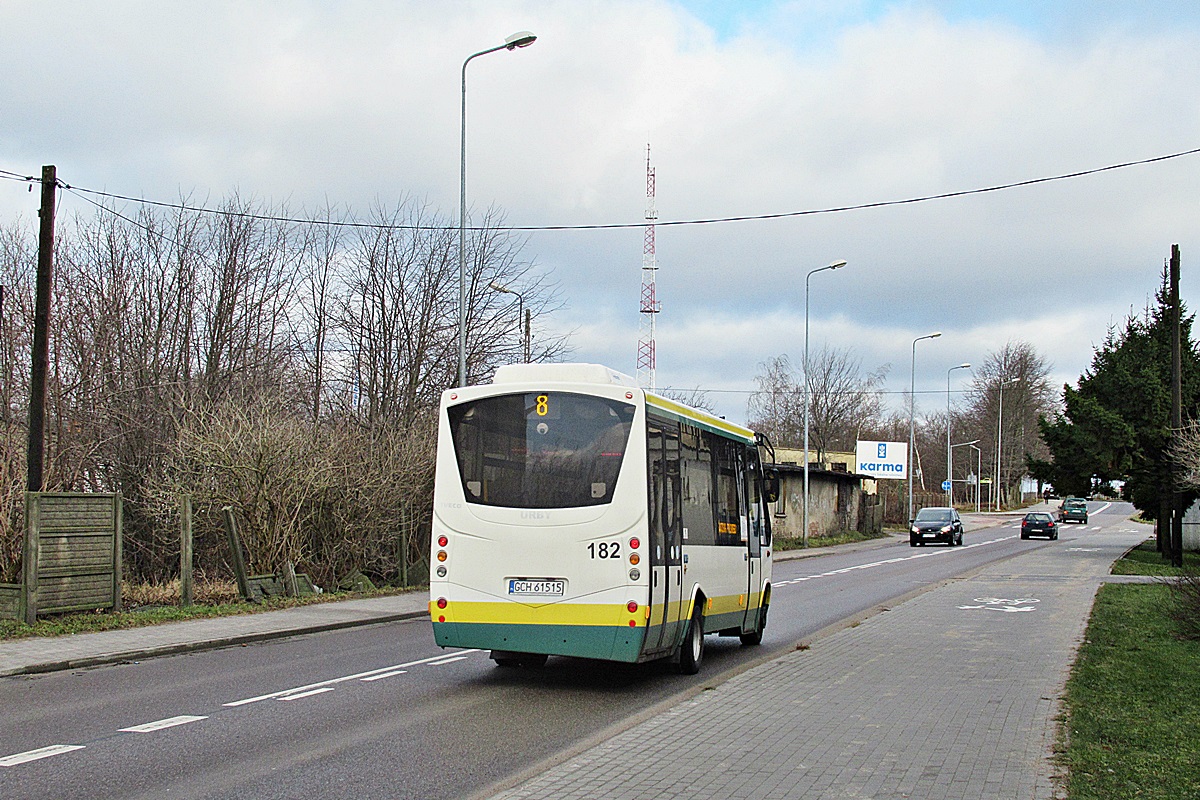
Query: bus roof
[
  {"x": 562, "y": 373},
  {"x": 699, "y": 418}
]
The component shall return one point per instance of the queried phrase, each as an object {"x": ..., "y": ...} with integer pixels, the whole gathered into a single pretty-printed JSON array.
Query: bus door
[
  {"x": 752, "y": 502},
  {"x": 666, "y": 562}
]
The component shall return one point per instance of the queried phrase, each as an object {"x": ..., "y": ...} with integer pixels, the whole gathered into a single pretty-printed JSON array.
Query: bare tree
[
  {"x": 777, "y": 407},
  {"x": 843, "y": 399},
  {"x": 1022, "y": 374}
]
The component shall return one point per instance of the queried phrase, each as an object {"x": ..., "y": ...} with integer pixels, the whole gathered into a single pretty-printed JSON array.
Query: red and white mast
[{"x": 650, "y": 306}]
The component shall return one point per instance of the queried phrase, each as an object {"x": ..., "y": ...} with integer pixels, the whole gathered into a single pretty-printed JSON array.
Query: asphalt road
[{"x": 382, "y": 712}]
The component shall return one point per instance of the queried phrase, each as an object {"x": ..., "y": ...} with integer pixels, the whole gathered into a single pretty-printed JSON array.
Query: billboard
[{"x": 882, "y": 459}]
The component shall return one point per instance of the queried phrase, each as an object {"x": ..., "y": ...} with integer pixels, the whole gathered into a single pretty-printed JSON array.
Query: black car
[
  {"x": 1039, "y": 523},
  {"x": 936, "y": 524},
  {"x": 1073, "y": 509}
]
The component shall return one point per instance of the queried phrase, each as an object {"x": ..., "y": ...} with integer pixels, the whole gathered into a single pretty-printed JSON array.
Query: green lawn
[
  {"x": 1146, "y": 560},
  {"x": 782, "y": 544},
  {"x": 1132, "y": 708}
]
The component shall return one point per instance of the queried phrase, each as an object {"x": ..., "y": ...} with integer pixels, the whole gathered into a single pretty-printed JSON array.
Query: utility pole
[
  {"x": 41, "y": 333},
  {"x": 1176, "y": 538}
]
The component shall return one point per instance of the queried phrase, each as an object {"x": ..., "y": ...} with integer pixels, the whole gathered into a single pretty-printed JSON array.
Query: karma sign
[{"x": 882, "y": 459}]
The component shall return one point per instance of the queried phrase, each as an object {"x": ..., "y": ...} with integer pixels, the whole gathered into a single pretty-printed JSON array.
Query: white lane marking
[
  {"x": 447, "y": 661},
  {"x": 309, "y": 693},
  {"x": 1102, "y": 508},
  {"x": 873, "y": 564},
  {"x": 332, "y": 681},
  {"x": 34, "y": 755},
  {"x": 391, "y": 674},
  {"x": 159, "y": 725}
]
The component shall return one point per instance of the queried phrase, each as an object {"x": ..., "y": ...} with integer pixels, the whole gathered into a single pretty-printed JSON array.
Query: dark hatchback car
[
  {"x": 1073, "y": 509},
  {"x": 936, "y": 524},
  {"x": 1039, "y": 523}
]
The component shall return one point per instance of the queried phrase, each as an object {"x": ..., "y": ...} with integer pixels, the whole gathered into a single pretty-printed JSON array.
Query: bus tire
[
  {"x": 755, "y": 636},
  {"x": 691, "y": 652}
]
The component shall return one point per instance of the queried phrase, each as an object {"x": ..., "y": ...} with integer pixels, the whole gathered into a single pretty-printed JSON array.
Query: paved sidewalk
[
  {"x": 47, "y": 654},
  {"x": 952, "y": 694}
]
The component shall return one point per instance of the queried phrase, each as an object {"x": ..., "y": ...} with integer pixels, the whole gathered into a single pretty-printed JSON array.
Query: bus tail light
[
  {"x": 441, "y": 571},
  {"x": 443, "y": 541},
  {"x": 441, "y": 555},
  {"x": 631, "y": 606},
  {"x": 634, "y": 559},
  {"x": 441, "y": 602},
  {"x": 635, "y": 574},
  {"x": 635, "y": 543}
]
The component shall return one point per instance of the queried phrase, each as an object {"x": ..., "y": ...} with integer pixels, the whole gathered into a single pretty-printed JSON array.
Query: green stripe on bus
[{"x": 583, "y": 641}]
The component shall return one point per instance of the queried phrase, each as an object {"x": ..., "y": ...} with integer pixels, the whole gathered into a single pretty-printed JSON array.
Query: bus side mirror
[{"x": 771, "y": 485}]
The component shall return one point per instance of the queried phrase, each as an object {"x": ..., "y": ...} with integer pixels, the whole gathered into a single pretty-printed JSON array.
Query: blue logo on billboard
[{"x": 882, "y": 450}]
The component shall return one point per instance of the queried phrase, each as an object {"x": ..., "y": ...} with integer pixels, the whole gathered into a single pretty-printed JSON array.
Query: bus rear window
[{"x": 540, "y": 449}]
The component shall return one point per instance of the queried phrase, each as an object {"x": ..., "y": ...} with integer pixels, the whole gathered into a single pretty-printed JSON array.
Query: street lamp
[
  {"x": 912, "y": 408},
  {"x": 999, "y": 440},
  {"x": 949, "y": 453},
  {"x": 519, "y": 39},
  {"x": 978, "y": 468},
  {"x": 834, "y": 265},
  {"x": 522, "y": 324}
]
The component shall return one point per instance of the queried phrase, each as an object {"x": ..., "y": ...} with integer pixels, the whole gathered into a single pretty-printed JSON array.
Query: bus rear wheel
[{"x": 691, "y": 652}]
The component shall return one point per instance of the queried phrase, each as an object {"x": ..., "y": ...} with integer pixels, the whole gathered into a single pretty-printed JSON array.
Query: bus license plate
[{"x": 536, "y": 587}]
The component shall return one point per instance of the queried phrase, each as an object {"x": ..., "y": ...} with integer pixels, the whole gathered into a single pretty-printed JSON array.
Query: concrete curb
[{"x": 135, "y": 654}]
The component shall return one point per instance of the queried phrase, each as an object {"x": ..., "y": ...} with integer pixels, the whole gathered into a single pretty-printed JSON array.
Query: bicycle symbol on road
[{"x": 1003, "y": 604}]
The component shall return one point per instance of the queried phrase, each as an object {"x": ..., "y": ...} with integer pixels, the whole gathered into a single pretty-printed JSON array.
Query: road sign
[{"x": 945, "y": 486}]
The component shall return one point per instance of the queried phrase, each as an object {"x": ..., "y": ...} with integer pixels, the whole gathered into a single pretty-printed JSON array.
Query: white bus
[{"x": 576, "y": 514}]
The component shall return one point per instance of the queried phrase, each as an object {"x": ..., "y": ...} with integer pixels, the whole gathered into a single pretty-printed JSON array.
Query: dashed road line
[
  {"x": 333, "y": 681},
  {"x": 383, "y": 675},
  {"x": 450, "y": 660},
  {"x": 898, "y": 559},
  {"x": 162, "y": 724},
  {"x": 40, "y": 753},
  {"x": 309, "y": 693}
]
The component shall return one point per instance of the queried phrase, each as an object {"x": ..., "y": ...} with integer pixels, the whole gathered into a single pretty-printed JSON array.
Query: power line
[{"x": 625, "y": 225}]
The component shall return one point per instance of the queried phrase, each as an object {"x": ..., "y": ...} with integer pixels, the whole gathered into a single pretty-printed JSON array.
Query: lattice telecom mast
[{"x": 650, "y": 305}]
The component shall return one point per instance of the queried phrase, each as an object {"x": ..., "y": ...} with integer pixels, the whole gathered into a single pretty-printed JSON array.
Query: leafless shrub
[
  {"x": 290, "y": 371},
  {"x": 1186, "y": 610}
]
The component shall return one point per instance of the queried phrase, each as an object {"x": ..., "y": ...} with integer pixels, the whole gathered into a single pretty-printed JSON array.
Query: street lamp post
[
  {"x": 912, "y": 408},
  {"x": 519, "y": 39},
  {"x": 999, "y": 440},
  {"x": 521, "y": 325},
  {"x": 949, "y": 450},
  {"x": 978, "y": 467},
  {"x": 834, "y": 265}
]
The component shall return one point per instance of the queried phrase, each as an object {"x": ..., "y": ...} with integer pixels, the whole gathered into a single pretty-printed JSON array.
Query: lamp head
[
  {"x": 520, "y": 39},
  {"x": 963, "y": 366},
  {"x": 837, "y": 265},
  {"x": 934, "y": 335}
]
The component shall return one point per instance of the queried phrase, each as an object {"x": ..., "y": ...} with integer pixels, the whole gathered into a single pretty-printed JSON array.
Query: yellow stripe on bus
[{"x": 584, "y": 613}]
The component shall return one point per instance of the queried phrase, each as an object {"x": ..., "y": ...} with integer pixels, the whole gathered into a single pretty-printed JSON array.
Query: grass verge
[
  {"x": 826, "y": 541},
  {"x": 94, "y": 621},
  {"x": 1146, "y": 560},
  {"x": 1132, "y": 713}
]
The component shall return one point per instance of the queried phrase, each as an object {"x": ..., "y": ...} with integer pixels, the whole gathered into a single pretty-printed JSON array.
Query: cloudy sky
[{"x": 750, "y": 108}]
